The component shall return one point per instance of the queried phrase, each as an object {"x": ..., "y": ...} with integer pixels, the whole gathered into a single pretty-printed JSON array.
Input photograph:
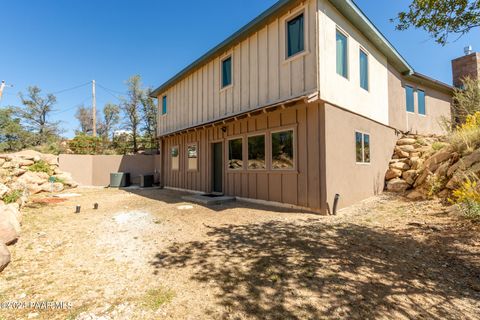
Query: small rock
[
  {"x": 393, "y": 173},
  {"x": 8, "y": 235},
  {"x": 406, "y": 141},
  {"x": 416, "y": 195},
  {"x": 400, "y": 166},
  {"x": 3, "y": 190},
  {"x": 409, "y": 176}
]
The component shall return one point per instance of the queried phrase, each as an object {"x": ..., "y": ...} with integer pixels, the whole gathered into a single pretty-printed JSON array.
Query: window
[
  {"x": 226, "y": 72},
  {"x": 421, "y": 102},
  {"x": 362, "y": 147},
  {"x": 235, "y": 154},
  {"x": 175, "y": 158},
  {"x": 282, "y": 150},
  {"x": 410, "y": 100},
  {"x": 342, "y": 54},
  {"x": 256, "y": 152},
  {"x": 164, "y": 105},
  {"x": 363, "y": 70},
  {"x": 192, "y": 157},
  {"x": 295, "y": 36}
]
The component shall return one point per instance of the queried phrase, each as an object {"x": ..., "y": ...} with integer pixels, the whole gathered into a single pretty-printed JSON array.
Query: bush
[
  {"x": 466, "y": 137},
  {"x": 41, "y": 166},
  {"x": 12, "y": 196},
  {"x": 467, "y": 197},
  {"x": 84, "y": 144}
]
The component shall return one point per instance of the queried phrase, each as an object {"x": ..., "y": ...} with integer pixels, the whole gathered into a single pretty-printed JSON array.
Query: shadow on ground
[{"x": 310, "y": 270}]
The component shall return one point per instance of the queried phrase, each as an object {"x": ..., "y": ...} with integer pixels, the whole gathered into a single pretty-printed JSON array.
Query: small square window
[
  {"x": 362, "y": 147},
  {"x": 192, "y": 157},
  {"x": 295, "y": 36},
  {"x": 421, "y": 102},
  {"x": 164, "y": 105},
  {"x": 256, "y": 152},
  {"x": 235, "y": 154},
  {"x": 342, "y": 54},
  {"x": 226, "y": 72}
]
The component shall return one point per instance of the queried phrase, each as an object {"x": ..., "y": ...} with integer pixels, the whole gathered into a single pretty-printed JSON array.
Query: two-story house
[{"x": 303, "y": 103}]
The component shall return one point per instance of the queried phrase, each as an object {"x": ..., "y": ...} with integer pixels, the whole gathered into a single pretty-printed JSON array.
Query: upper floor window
[
  {"x": 164, "y": 105},
  {"x": 410, "y": 100},
  {"x": 421, "y": 102},
  {"x": 342, "y": 54},
  {"x": 227, "y": 72},
  {"x": 295, "y": 36},
  {"x": 362, "y": 147},
  {"x": 363, "y": 70}
]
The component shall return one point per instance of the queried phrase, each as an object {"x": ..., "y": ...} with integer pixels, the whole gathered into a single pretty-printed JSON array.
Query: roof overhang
[{"x": 430, "y": 82}]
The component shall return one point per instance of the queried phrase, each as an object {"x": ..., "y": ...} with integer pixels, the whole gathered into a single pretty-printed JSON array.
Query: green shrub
[
  {"x": 467, "y": 196},
  {"x": 41, "y": 166},
  {"x": 12, "y": 196},
  {"x": 438, "y": 145}
]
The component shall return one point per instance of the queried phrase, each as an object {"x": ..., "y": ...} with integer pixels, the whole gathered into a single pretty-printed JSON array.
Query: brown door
[{"x": 217, "y": 167}]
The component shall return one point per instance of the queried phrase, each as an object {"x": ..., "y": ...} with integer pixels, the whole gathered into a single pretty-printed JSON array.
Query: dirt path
[{"x": 149, "y": 255}]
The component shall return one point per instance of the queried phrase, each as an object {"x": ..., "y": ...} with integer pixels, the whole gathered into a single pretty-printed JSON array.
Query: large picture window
[
  {"x": 175, "y": 158},
  {"x": 295, "y": 36},
  {"x": 256, "y": 152},
  {"x": 192, "y": 157},
  {"x": 362, "y": 147},
  {"x": 235, "y": 154},
  {"x": 282, "y": 150}
]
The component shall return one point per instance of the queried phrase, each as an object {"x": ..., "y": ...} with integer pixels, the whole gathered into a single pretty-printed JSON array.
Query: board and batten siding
[
  {"x": 300, "y": 187},
  {"x": 261, "y": 76}
]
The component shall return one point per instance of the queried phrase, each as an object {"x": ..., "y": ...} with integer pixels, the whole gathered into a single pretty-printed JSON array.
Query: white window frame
[{"x": 363, "y": 133}]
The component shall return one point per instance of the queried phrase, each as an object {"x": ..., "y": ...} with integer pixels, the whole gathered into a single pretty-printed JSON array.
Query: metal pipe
[{"x": 335, "y": 203}]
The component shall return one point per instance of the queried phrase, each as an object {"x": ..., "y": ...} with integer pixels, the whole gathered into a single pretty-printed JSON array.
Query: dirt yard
[{"x": 149, "y": 255}]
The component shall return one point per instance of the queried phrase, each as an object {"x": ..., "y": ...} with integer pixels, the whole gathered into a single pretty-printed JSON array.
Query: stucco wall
[
  {"x": 347, "y": 93},
  {"x": 437, "y": 105},
  {"x": 94, "y": 170},
  {"x": 352, "y": 181}
]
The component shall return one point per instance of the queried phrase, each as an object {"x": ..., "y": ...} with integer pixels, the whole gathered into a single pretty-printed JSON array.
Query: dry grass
[{"x": 141, "y": 257}]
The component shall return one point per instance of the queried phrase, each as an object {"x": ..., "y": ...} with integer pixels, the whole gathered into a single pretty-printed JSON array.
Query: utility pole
[
  {"x": 2, "y": 87},
  {"x": 94, "y": 110}
]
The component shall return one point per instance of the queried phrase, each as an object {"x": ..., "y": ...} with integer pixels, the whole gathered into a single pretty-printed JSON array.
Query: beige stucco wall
[
  {"x": 354, "y": 182},
  {"x": 437, "y": 105},
  {"x": 346, "y": 92},
  {"x": 94, "y": 170}
]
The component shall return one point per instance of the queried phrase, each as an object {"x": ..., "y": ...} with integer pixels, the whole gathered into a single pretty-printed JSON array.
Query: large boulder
[
  {"x": 409, "y": 176},
  {"x": 434, "y": 161},
  {"x": 28, "y": 155},
  {"x": 4, "y": 257},
  {"x": 49, "y": 187},
  {"x": 397, "y": 185},
  {"x": 393, "y": 173},
  {"x": 67, "y": 179},
  {"x": 33, "y": 178},
  {"x": 10, "y": 214},
  {"x": 8, "y": 234},
  {"x": 400, "y": 166},
  {"x": 406, "y": 141},
  {"x": 50, "y": 159},
  {"x": 465, "y": 162}
]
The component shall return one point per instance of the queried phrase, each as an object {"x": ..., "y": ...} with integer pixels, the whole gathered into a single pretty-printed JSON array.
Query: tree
[
  {"x": 111, "y": 117},
  {"x": 441, "y": 18},
  {"x": 131, "y": 107},
  {"x": 35, "y": 112},
  {"x": 85, "y": 118},
  {"x": 12, "y": 136},
  {"x": 150, "y": 113}
]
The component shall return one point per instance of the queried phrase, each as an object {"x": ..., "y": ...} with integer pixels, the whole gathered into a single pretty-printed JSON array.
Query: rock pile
[
  {"x": 21, "y": 175},
  {"x": 427, "y": 167}
]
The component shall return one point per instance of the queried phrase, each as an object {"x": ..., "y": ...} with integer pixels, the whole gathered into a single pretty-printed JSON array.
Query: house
[{"x": 302, "y": 104}]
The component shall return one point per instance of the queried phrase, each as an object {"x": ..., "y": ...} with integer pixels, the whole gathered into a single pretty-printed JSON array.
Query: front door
[{"x": 217, "y": 167}]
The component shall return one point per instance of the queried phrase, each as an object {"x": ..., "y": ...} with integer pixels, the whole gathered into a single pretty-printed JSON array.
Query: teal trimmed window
[
  {"x": 295, "y": 36},
  {"x": 421, "y": 102},
  {"x": 164, "y": 105},
  {"x": 363, "y": 70},
  {"x": 342, "y": 54},
  {"x": 226, "y": 72},
  {"x": 410, "y": 100}
]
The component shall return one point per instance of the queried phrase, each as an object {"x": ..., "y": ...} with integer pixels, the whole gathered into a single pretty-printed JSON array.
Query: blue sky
[{"x": 61, "y": 44}]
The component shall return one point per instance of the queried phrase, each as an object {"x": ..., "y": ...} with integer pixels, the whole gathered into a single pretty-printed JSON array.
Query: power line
[
  {"x": 72, "y": 88},
  {"x": 71, "y": 108},
  {"x": 109, "y": 92}
]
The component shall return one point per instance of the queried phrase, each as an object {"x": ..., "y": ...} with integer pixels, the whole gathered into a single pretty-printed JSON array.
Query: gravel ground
[{"x": 149, "y": 255}]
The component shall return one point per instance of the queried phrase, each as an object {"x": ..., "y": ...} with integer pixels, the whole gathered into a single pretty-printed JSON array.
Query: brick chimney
[{"x": 466, "y": 66}]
